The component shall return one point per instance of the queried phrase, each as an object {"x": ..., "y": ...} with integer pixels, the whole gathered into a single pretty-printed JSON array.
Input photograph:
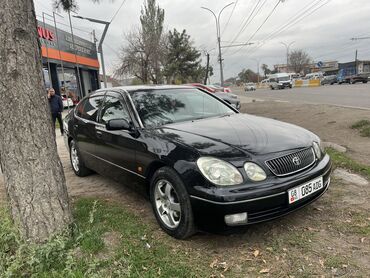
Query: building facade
[{"x": 70, "y": 63}]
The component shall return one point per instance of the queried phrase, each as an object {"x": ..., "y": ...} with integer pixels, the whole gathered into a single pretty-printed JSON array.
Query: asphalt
[{"x": 345, "y": 95}]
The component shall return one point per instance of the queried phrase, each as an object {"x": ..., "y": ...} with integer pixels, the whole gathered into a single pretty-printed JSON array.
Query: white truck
[{"x": 280, "y": 81}]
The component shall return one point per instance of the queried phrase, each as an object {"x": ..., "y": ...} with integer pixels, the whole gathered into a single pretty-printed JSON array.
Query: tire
[
  {"x": 77, "y": 163},
  {"x": 179, "y": 221}
]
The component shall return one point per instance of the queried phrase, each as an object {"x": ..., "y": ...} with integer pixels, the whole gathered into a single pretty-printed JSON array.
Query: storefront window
[{"x": 68, "y": 83}]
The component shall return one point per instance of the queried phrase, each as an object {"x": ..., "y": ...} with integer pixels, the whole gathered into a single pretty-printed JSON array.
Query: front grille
[{"x": 291, "y": 163}]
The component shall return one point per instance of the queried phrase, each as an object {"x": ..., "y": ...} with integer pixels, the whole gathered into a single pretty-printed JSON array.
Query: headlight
[
  {"x": 317, "y": 149},
  {"x": 254, "y": 172},
  {"x": 219, "y": 172}
]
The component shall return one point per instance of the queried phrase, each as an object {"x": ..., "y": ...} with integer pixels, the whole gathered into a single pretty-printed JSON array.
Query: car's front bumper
[{"x": 268, "y": 201}]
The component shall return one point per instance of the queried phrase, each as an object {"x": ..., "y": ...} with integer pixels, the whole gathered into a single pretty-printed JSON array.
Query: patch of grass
[
  {"x": 363, "y": 126},
  {"x": 359, "y": 225},
  {"x": 365, "y": 131},
  {"x": 341, "y": 160},
  {"x": 135, "y": 252},
  {"x": 335, "y": 261}
]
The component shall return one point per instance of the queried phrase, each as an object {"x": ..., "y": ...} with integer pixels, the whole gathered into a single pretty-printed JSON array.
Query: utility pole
[
  {"x": 207, "y": 69},
  {"x": 100, "y": 46},
  {"x": 217, "y": 18},
  {"x": 287, "y": 53},
  {"x": 356, "y": 62}
]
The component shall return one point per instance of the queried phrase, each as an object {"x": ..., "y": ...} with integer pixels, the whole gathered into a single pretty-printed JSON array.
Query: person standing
[{"x": 56, "y": 108}]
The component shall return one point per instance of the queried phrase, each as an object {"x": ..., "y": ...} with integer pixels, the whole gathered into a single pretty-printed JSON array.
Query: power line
[
  {"x": 246, "y": 22},
  {"x": 231, "y": 14},
  {"x": 123, "y": 2},
  {"x": 295, "y": 19},
  {"x": 299, "y": 17},
  {"x": 291, "y": 23},
  {"x": 63, "y": 24},
  {"x": 259, "y": 28}
]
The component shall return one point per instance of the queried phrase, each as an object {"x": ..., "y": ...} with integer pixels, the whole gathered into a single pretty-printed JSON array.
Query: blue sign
[{"x": 320, "y": 64}]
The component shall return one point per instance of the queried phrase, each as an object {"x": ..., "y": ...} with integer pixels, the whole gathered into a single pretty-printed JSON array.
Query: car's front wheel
[
  {"x": 76, "y": 161},
  {"x": 171, "y": 203}
]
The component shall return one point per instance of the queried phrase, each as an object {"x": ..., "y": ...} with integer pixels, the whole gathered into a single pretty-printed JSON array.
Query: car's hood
[{"x": 238, "y": 134}]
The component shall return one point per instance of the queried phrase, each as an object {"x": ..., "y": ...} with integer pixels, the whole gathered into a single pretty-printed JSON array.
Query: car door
[
  {"x": 116, "y": 148},
  {"x": 85, "y": 128}
]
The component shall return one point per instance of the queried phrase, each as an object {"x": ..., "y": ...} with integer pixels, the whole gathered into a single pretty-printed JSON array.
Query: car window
[
  {"x": 91, "y": 107},
  {"x": 159, "y": 107},
  {"x": 80, "y": 108},
  {"x": 114, "y": 109}
]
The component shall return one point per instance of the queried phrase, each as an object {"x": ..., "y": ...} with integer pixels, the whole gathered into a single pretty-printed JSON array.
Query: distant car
[
  {"x": 355, "y": 79},
  {"x": 67, "y": 102},
  {"x": 250, "y": 87},
  {"x": 220, "y": 89},
  {"x": 231, "y": 99},
  {"x": 280, "y": 81},
  {"x": 329, "y": 79}
]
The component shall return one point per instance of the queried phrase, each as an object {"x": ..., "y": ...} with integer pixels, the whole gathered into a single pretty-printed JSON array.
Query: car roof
[{"x": 146, "y": 87}]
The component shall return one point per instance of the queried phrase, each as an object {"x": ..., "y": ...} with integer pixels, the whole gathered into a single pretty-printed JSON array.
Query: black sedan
[{"x": 202, "y": 162}]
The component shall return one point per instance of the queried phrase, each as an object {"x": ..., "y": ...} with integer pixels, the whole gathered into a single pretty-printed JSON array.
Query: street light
[
  {"x": 287, "y": 53},
  {"x": 219, "y": 37},
  {"x": 100, "y": 46}
]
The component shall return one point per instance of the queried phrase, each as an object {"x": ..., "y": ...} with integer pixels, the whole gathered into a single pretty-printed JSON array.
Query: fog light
[{"x": 236, "y": 219}]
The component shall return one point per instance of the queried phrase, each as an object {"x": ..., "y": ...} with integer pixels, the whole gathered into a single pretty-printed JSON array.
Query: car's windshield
[
  {"x": 159, "y": 107},
  {"x": 285, "y": 78}
]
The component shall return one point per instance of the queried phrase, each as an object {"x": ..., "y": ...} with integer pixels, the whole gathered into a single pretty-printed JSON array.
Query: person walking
[{"x": 56, "y": 108}]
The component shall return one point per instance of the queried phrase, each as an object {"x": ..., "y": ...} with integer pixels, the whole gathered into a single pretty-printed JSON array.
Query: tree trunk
[{"x": 33, "y": 174}]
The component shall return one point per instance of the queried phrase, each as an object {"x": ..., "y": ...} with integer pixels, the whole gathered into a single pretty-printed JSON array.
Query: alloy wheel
[
  {"x": 167, "y": 204},
  {"x": 74, "y": 158}
]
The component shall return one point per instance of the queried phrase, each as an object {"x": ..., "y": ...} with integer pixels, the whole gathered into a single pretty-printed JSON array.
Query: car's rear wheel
[
  {"x": 76, "y": 161},
  {"x": 171, "y": 203}
]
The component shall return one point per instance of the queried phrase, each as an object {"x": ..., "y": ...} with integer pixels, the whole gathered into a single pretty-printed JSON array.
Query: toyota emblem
[{"x": 296, "y": 161}]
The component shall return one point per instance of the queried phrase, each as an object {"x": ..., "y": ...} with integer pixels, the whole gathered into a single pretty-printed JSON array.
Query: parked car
[
  {"x": 314, "y": 75},
  {"x": 227, "y": 97},
  {"x": 352, "y": 79},
  {"x": 67, "y": 102},
  {"x": 202, "y": 162},
  {"x": 250, "y": 87},
  {"x": 280, "y": 81},
  {"x": 329, "y": 79}
]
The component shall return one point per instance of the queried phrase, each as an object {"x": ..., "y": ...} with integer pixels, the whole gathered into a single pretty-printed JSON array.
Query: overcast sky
[{"x": 324, "y": 34}]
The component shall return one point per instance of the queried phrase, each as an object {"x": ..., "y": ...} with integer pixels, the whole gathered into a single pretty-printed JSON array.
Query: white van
[{"x": 280, "y": 81}]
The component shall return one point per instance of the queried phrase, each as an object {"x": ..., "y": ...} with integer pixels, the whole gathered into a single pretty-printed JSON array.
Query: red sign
[{"x": 45, "y": 34}]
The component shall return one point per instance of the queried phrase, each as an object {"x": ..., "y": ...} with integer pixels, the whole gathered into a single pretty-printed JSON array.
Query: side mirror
[{"x": 118, "y": 124}]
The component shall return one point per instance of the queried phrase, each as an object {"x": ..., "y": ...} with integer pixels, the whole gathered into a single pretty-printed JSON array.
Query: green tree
[
  {"x": 265, "y": 70},
  {"x": 183, "y": 61},
  {"x": 144, "y": 53},
  {"x": 247, "y": 75}
]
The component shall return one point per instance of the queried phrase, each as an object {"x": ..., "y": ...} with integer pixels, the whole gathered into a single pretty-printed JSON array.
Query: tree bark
[{"x": 33, "y": 173}]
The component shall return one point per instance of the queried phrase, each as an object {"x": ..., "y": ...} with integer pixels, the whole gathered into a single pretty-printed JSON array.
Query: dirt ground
[{"x": 330, "y": 238}]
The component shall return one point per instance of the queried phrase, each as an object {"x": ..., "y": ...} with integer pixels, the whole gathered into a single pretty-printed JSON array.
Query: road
[{"x": 356, "y": 95}]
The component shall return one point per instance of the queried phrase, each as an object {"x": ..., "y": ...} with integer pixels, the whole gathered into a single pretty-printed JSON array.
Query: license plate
[{"x": 304, "y": 190}]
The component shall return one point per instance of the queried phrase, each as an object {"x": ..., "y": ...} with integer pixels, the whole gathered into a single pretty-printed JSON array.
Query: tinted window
[
  {"x": 114, "y": 109},
  {"x": 80, "y": 108},
  {"x": 159, "y": 107},
  {"x": 90, "y": 108}
]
